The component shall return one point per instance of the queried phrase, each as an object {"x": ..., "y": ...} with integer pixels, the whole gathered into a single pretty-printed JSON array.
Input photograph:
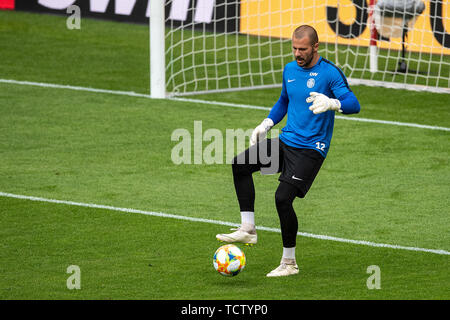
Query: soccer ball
[{"x": 229, "y": 260}]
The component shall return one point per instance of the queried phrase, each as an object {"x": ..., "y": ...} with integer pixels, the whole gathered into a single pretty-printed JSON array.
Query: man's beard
[{"x": 305, "y": 62}]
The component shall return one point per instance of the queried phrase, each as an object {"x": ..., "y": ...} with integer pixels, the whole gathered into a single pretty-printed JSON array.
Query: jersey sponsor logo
[
  {"x": 291, "y": 80},
  {"x": 310, "y": 83},
  {"x": 313, "y": 74}
]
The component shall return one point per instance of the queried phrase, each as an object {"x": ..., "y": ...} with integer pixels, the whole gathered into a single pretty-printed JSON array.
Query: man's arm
[
  {"x": 276, "y": 114},
  {"x": 349, "y": 103},
  {"x": 279, "y": 110}
]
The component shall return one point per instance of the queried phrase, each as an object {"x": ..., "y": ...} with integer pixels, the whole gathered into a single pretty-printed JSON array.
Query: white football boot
[
  {"x": 239, "y": 235},
  {"x": 284, "y": 270}
]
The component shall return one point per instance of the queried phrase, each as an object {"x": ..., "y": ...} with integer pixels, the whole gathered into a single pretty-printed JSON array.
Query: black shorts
[{"x": 298, "y": 167}]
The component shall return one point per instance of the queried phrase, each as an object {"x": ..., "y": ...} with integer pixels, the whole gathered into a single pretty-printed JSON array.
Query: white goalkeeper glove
[
  {"x": 322, "y": 103},
  {"x": 260, "y": 131}
]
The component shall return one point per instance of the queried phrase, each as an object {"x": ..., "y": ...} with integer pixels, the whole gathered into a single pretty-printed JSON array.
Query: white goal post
[
  {"x": 200, "y": 46},
  {"x": 157, "y": 49}
]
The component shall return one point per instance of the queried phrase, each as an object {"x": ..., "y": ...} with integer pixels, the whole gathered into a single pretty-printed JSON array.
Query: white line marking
[
  {"x": 178, "y": 217},
  {"x": 245, "y": 106},
  {"x": 394, "y": 123},
  {"x": 226, "y": 104},
  {"x": 61, "y": 86}
]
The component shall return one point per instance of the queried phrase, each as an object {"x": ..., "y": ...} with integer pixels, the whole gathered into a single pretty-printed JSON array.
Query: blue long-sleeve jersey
[{"x": 304, "y": 129}]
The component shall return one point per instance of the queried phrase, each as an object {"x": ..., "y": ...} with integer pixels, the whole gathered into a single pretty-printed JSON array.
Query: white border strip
[
  {"x": 61, "y": 86},
  {"x": 244, "y": 106},
  {"x": 398, "y": 85},
  {"x": 178, "y": 217},
  {"x": 226, "y": 104},
  {"x": 351, "y": 81}
]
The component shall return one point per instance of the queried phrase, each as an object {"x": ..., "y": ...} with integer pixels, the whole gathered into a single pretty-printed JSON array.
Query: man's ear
[{"x": 316, "y": 47}]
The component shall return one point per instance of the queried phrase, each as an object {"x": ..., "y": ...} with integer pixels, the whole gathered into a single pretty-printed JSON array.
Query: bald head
[
  {"x": 306, "y": 31},
  {"x": 305, "y": 46}
]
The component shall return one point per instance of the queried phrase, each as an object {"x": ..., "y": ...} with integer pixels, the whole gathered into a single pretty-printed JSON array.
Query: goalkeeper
[{"x": 313, "y": 90}]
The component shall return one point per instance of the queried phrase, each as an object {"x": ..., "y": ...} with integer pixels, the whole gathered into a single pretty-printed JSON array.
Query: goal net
[{"x": 219, "y": 45}]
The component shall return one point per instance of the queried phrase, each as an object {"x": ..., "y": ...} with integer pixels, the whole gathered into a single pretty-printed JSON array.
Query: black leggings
[{"x": 284, "y": 197}]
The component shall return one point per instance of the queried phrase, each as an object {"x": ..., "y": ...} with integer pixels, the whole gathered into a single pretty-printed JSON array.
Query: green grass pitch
[{"x": 380, "y": 183}]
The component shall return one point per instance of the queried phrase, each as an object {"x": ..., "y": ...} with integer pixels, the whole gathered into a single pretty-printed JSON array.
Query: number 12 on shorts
[{"x": 320, "y": 146}]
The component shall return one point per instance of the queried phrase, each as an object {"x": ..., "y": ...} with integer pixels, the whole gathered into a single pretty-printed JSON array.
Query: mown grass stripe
[
  {"x": 231, "y": 224},
  {"x": 225, "y": 104}
]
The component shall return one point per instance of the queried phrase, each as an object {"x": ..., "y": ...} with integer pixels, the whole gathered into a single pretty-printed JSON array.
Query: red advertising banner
[{"x": 7, "y": 4}]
